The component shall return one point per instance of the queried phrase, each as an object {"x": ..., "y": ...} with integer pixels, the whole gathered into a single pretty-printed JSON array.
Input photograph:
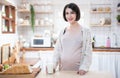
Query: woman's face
[{"x": 70, "y": 15}]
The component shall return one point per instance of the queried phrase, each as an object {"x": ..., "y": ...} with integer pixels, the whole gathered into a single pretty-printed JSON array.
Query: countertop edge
[{"x": 96, "y": 49}]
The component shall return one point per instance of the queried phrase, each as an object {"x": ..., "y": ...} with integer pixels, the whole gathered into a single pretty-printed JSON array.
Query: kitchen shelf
[
  {"x": 39, "y": 4},
  {"x": 23, "y": 10},
  {"x": 25, "y": 25},
  {"x": 101, "y": 15},
  {"x": 43, "y": 4},
  {"x": 99, "y": 25},
  {"x": 98, "y": 12},
  {"x": 44, "y": 18},
  {"x": 37, "y": 12},
  {"x": 9, "y": 32}
]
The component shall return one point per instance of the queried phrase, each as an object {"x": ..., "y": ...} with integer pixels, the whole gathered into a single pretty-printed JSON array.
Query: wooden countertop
[
  {"x": 104, "y": 49},
  {"x": 96, "y": 49},
  {"x": 73, "y": 74},
  {"x": 37, "y": 49}
]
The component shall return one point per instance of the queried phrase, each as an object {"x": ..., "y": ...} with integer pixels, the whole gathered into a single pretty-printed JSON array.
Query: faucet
[{"x": 115, "y": 39}]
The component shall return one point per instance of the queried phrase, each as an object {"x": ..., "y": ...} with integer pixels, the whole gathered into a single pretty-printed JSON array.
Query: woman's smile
[{"x": 70, "y": 15}]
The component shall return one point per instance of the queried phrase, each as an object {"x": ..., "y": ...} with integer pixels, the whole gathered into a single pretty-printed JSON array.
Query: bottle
[
  {"x": 93, "y": 42},
  {"x": 108, "y": 43}
]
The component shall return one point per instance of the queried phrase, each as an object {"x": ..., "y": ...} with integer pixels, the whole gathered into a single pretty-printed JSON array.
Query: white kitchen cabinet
[{"x": 106, "y": 61}]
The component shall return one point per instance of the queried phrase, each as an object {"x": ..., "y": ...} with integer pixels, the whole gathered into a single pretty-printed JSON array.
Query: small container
[
  {"x": 108, "y": 43},
  {"x": 36, "y": 22},
  {"x": 93, "y": 42}
]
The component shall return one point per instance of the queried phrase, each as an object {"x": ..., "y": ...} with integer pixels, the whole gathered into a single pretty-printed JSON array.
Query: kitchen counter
[
  {"x": 37, "y": 49},
  {"x": 96, "y": 49},
  {"x": 105, "y": 49},
  {"x": 73, "y": 74}
]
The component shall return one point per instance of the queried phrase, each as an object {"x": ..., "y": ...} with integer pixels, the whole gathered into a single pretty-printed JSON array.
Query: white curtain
[{"x": 106, "y": 61}]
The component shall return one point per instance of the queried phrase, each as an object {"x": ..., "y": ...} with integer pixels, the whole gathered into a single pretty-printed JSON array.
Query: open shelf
[
  {"x": 100, "y": 15},
  {"x": 37, "y": 12},
  {"x": 97, "y": 12},
  {"x": 28, "y": 25},
  {"x": 99, "y": 25},
  {"x": 43, "y": 4}
]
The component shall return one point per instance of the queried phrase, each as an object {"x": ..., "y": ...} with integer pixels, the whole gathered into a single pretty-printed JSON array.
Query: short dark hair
[{"x": 75, "y": 8}]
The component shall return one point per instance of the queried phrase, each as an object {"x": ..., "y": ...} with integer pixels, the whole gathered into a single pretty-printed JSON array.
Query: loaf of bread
[{"x": 18, "y": 69}]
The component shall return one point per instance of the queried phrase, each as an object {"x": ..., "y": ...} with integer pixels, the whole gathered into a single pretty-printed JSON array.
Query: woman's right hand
[
  {"x": 47, "y": 70},
  {"x": 82, "y": 72}
]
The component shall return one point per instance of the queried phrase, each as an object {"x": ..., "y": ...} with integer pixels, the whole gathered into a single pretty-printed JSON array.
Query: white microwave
[{"x": 41, "y": 42}]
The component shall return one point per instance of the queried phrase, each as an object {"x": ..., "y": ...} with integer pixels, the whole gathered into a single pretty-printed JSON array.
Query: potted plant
[
  {"x": 118, "y": 18},
  {"x": 32, "y": 12}
]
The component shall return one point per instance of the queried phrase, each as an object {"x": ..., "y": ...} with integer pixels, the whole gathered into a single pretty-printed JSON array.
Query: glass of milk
[{"x": 49, "y": 68}]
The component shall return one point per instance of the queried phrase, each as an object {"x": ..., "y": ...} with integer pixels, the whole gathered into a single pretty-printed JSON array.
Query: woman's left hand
[{"x": 81, "y": 72}]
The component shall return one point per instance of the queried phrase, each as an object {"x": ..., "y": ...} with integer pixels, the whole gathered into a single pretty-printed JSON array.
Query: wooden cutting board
[{"x": 32, "y": 75}]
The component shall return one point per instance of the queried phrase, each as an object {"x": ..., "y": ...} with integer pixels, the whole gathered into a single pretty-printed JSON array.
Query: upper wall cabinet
[
  {"x": 100, "y": 15},
  {"x": 8, "y": 19}
]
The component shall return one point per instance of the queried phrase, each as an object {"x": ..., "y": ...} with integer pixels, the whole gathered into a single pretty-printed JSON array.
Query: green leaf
[{"x": 32, "y": 11}]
